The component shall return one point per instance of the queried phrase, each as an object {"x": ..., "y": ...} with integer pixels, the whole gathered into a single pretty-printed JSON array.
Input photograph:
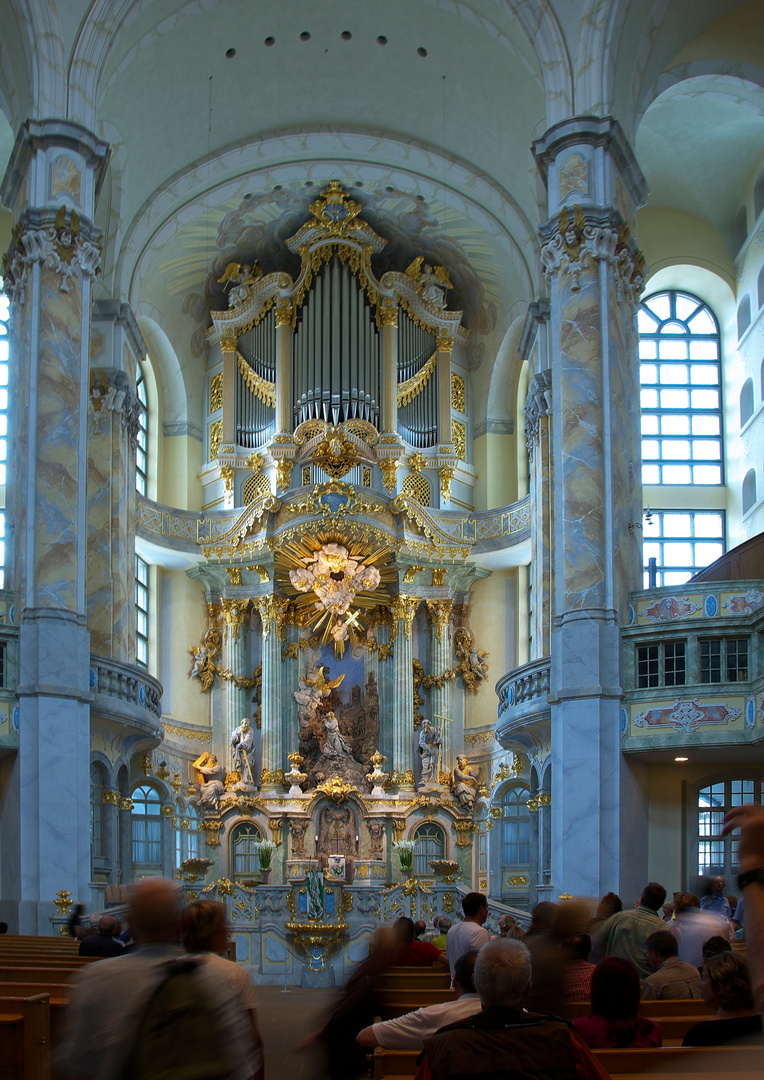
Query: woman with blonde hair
[
  {"x": 726, "y": 987},
  {"x": 204, "y": 933}
]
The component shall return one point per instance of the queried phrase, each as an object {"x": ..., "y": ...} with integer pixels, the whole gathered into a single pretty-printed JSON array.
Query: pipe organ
[{"x": 363, "y": 362}]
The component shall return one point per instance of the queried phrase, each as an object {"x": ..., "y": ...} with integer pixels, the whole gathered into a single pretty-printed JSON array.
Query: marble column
[
  {"x": 51, "y": 188},
  {"x": 439, "y": 612},
  {"x": 594, "y": 274},
  {"x": 271, "y": 609},
  {"x": 125, "y": 839},
  {"x": 235, "y": 699},
  {"x": 403, "y": 608}
]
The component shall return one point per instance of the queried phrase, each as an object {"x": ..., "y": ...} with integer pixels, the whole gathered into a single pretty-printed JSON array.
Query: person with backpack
[{"x": 154, "y": 1012}]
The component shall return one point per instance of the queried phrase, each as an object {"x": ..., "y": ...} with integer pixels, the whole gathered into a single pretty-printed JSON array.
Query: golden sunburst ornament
[{"x": 334, "y": 580}]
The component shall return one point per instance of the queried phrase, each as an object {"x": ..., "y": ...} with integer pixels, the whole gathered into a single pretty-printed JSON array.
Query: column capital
[
  {"x": 439, "y": 612},
  {"x": 404, "y": 608},
  {"x": 235, "y": 613},
  {"x": 76, "y": 175},
  {"x": 272, "y": 608},
  {"x": 569, "y": 157}
]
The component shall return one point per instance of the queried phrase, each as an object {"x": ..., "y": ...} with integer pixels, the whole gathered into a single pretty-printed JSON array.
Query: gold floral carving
[
  {"x": 228, "y": 344},
  {"x": 458, "y": 393},
  {"x": 545, "y": 799},
  {"x": 234, "y": 574},
  {"x": 417, "y": 461},
  {"x": 336, "y": 789},
  {"x": 273, "y": 777},
  {"x": 437, "y": 577},
  {"x": 272, "y": 609},
  {"x": 411, "y": 573},
  {"x": 216, "y": 434},
  {"x": 255, "y": 462},
  {"x": 216, "y": 392},
  {"x": 226, "y": 471},
  {"x": 125, "y": 803},
  {"x": 110, "y": 798},
  {"x": 459, "y": 439},
  {"x": 276, "y": 826},
  {"x": 63, "y": 901},
  {"x": 448, "y": 902},
  {"x": 284, "y": 316},
  {"x": 446, "y": 475},
  {"x": 533, "y": 804},
  {"x": 283, "y": 473},
  {"x": 388, "y": 315},
  {"x": 388, "y": 467},
  {"x": 167, "y": 811},
  {"x": 463, "y": 833},
  {"x": 478, "y": 737},
  {"x": 517, "y": 880}
]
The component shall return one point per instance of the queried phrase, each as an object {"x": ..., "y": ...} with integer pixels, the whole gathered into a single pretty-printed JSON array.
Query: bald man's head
[
  {"x": 109, "y": 926},
  {"x": 154, "y": 911}
]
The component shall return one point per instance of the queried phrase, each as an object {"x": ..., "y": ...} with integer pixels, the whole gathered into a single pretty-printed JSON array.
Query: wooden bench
[
  {"x": 18, "y": 973},
  {"x": 25, "y": 1037},
  {"x": 414, "y": 977},
  {"x": 667, "y": 1063}
]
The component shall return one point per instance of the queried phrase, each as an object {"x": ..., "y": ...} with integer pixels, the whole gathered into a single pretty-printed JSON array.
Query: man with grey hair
[
  {"x": 504, "y": 1037},
  {"x": 110, "y": 1000}
]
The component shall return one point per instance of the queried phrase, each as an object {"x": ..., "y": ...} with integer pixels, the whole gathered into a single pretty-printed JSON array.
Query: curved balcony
[
  {"x": 126, "y": 695},
  {"x": 523, "y": 703}
]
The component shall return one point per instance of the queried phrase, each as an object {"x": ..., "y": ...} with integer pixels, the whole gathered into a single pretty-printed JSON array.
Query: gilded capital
[
  {"x": 235, "y": 614},
  {"x": 228, "y": 344},
  {"x": 403, "y": 607},
  {"x": 439, "y": 612},
  {"x": 272, "y": 609},
  {"x": 284, "y": 316},
  {"x": 283, "y": 473},
  {"x": 444, "y": 344}
]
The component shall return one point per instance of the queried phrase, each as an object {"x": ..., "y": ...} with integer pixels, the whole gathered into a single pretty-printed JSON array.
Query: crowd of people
[{"x": 149, "y": 1005}]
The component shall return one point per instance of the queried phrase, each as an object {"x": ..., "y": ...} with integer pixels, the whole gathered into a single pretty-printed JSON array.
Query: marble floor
[{"x": 286, "y": 1019}]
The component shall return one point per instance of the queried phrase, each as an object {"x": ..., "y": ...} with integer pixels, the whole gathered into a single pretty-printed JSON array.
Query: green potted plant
[
  {"x": 265, "y": 850},
  {"x": 405, "y": 849}
]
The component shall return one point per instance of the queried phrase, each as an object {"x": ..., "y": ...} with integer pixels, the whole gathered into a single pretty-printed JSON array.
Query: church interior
[{"x": 381, "y": 456}]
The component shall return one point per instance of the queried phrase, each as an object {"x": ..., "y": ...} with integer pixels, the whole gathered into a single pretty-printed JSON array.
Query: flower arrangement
[
  {"x": 265, "y": 850},
  {"x": 405, "y": 849}
]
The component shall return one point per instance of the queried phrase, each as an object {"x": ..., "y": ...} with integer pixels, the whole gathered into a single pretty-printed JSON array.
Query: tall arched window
[
  {"x": 141, "y": 612},
  {"x": 186, "y": 833},
  {"x": 516, "y": 823},
  {"x": 680, "y": 376},
  {"x": 760, "y": 288},
  {"x": 749, "y": 490},
  {"x": 743, "y": 315},
  {"x": 142, "y": 439},
  {"x": 96, "y": 811},
  {"x": 430, "y": 844},
  {"x": 4, "y": 362},
  {"x": 481, "y": 848},
  {"x": 246, "y": 861},
  {"x": 717, "y": 854},
  {"x": 147, "y": 828},
  {"x": 746, "y": 402}
]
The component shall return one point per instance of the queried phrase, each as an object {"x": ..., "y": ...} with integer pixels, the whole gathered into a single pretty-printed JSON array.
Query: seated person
[
  {"x": 672, "y": 979},
  {"x": 442, "y": 924},
  {"x": 504, "y": 1039},
  {"x": 578, "y": 970},
  {"x": 614, "y": 1023},
  {"x": 106, "y": 942},
  {"x": 409, "y": 1032},
  {"x": 413, "y": 953},
  {"x": 726, "y": 987}
]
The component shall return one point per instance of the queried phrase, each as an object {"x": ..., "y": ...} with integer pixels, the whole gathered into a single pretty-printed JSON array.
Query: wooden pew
[
  {"x": 34, "y": 1038},
  {"x": 30, "y": 974},
  {"x": 11, "y": 1046},
  {"x": 652, "y": 1009},
  {"x": 665, "y": 1063},
  {"x": 397, "y": 978}
]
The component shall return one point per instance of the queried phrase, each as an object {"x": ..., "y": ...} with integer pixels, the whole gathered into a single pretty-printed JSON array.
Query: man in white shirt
[
  {"x": 410, "y": 1031},
  {"x": 469, "y": 934}
]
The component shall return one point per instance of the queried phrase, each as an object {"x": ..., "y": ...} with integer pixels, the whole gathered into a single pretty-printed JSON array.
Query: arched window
[
  {"x": 516, "y": 823},
  {"x": 680, "y": 375},
  {"x": 749, "y": 490},
  {"x": 717, "y": 854},
  {"x": 430, "y": 844},
  {"x": 4, "y": 362},
  {"x": 186, "y": 832},
  {"x": 96, "y": 811},
  {"x": 246, "y": 861},
  {"x": 746, "y": 402},
  {"x": 758, "y": 196},
  {"x": 743, "y": 315},
  {"x": 147, "y": 827},
  {"x": 141, "y": 612},
  {"x": 142, "y": 439},
  {"x": 760, "y": 288}
]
